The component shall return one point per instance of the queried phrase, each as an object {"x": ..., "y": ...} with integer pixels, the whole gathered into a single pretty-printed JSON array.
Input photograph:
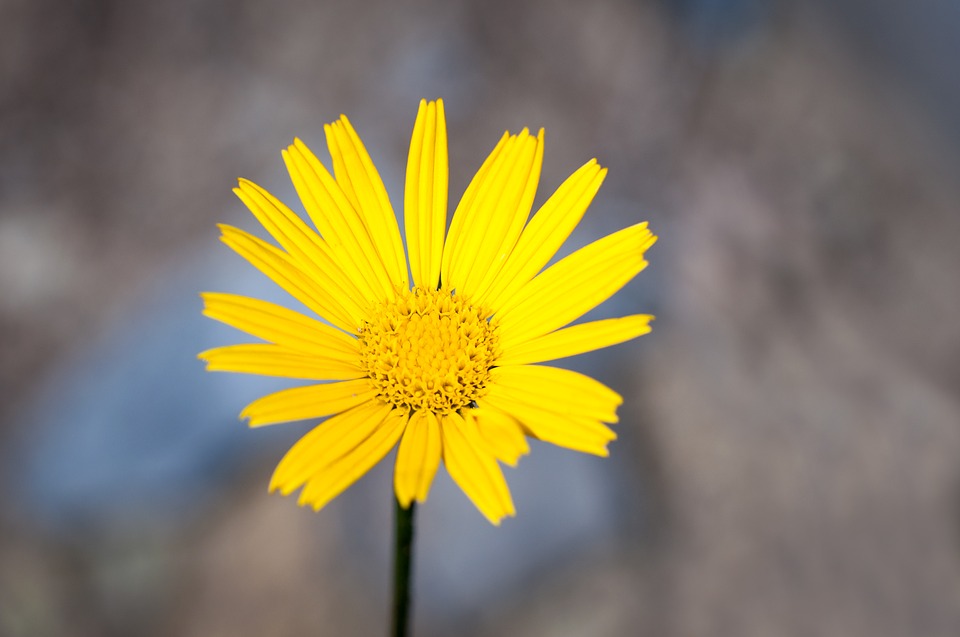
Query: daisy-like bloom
[{"x": 444, "y": 360}]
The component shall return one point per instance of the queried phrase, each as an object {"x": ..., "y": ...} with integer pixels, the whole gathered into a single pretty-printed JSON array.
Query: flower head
[{"x": 445, "y": 361}]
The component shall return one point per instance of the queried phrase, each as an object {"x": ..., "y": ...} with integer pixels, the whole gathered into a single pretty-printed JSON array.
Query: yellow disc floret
[{"x": 428, "y": 349}]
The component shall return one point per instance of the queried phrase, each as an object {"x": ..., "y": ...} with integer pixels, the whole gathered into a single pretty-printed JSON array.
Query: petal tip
[{"x": 405, "y": 499}]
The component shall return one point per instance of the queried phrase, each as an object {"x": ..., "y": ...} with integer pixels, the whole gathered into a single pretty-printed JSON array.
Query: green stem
[{"x": 403, "y": 554}]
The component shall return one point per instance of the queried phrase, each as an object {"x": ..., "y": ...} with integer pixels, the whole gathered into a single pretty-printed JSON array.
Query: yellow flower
[{"x": 444, "y": 362}]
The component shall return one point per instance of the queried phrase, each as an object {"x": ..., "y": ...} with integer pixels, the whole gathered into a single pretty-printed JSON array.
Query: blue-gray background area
[{"x": 788, "y": 454}]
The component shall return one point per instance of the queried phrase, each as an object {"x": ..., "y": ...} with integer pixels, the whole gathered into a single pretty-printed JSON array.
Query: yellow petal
[
  {"x": 309, "y": 250},
  {"x": 425, "y": 194},
  {"x": 577, "y": 339},
  {"x": 338, "y": 222},
  {"x": 560, "y": 390},
  {"x": 574, "y": 285},
  {"x": 279, "y": 325},
  {"x": 474, "y": 469},
  {"x": 457, "y": 235},
  {"x": 579, "y": 434},
  {"x": 495, "y": 214},
  {"x": 546, "y": 232},
  {"x": 507, "y": 205},
  {"x": 274, "y": 360},
  {"x": 327, "y": 484},
  {"x": 362, "y": 185},
  {"x": 312, "y": 401},
  {"x": 326, "y": 443},
  {"x": 502, "y": 434},
  {"x": 417, "y": 458},
  {"x": 287, "y": 273}
]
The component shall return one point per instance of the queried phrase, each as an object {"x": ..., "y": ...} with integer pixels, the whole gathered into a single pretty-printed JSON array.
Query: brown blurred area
[{"x": 795, "y": 413}]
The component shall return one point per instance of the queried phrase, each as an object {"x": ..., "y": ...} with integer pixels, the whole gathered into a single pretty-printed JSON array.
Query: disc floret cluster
[{"x": 428, "y": 350}]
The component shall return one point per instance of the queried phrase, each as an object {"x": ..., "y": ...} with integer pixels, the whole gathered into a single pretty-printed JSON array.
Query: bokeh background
[{"x": 789, "y": 452}]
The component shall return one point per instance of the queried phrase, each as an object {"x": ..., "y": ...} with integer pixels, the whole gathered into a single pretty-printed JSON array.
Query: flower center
[{"x": 429, "y": 349}]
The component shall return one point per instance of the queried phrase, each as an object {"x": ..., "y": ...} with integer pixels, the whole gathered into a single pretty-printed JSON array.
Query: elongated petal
[
  {"x": 574, "y": 285},
  {"x": 279, "y": 325},
  {"x": 509, "y": 202},
  {"x": 273, "y": 360},
  {"x": 285, "y": 272},
  {"x": 417, "y": 458},
  {"x": 493, "y": 217},
  {"x": 326, "y": 443},
  {"x": 560, "y": 390},
  {"x": 338, "y": 222},
  {"x": 577, "y": 340},
  {"x": 362, "y": 185},
  {"x": 425, "y": 194},
  {"x": 307, "y": 248},
  {"x": 546, "y": 232},
  {"x": 312, "y": 401},
  {"x": 579, "y": 434},
  {"x": 474, "y": 469},
  {"x": 502, "y": 434},
  {"x": 457, "y": 235},
  {"x": 327, "y": 484}
]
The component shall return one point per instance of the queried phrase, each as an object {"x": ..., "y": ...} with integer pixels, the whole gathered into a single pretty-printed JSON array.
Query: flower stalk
[{"x": 402, "y": 570}]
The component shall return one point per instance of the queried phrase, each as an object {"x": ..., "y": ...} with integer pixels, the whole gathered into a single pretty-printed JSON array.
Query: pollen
[{"x": 429, "y": 349}]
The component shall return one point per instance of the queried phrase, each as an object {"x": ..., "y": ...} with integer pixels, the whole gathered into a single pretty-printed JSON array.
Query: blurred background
[{"x": 789, "y": 452}]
